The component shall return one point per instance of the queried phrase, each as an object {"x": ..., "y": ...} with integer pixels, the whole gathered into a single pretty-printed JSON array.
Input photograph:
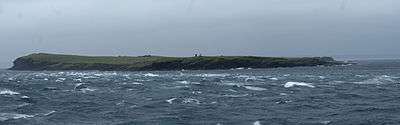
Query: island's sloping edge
[{"x": 43, "y": 61}]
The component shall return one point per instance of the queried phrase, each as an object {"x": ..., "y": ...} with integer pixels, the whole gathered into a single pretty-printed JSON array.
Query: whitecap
[
  {"x": 41, "y": 74},
  {"x": 46, "y": 79},
  {"x": 78, "y": 85},
  {"x": 325, "y": 122},
  {"x": 275, "y": 79},
  {"x": 143, "y": 80},
  {"x": 213, "y": 75},
  {"x": 189, "y": 82},
  {"x": 8, "y": 92},
  {"x": 232, "y": 84},
  {"x": 126, "y": 75},
  {"x": 133, "y": 83},
  {"x": 338, "y": 81},
  {"x": 257, "y": 123},
  {"x": 242, "y": 76},
  {"x": 23, "y": 104},
  {"x": 137, "y": 83},
  {"x": 121, "y": 103},
  {"x": 292, "y": 84},
  {"x": 236, "y": 96},
  {"x": 49, "y": 113},
  {"x": 84, "y": 90},
  {"x": 151, "y": 75},
  {"x": 170, "y": 101},
  {"x": 309, "y": 76},
  {"x": 361, "y": 75},
  {"x": 387, "y": 76},
  {"x": 184, "y": 82},
  {"x": 76, "y": 74},
  {"x": 232, "y": 90},
  {"x": 197, "y": 92},
  {"x": 60, "y": 79},
  {"x": 90, "y": 77},
  {"x": 98, "y": 75},
  {"x": 10, "y": 116},
  {"x": 78, "y": 80},
  {"x": 283, "y": 102},
  {"x": 25, "y": 97},
  {"x": 196, "y": 83},
  {"x": 190, "y": 100},
  {"x": 283, "y": 94},
  {"x": 255, "y": 88},
  {"x": 378, "y": 80},
  {"x": 250, "y": 79}
]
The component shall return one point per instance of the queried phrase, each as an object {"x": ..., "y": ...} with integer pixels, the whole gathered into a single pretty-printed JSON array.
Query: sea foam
[
  {"x": 213, "y": 75},
  {"x": 378, "y": 80},
  {"x": 8, "y": 92},
  {"x": 10, "y": 116},
  {"x": 137, "y": 83},
  {"x": 49, "y": 113},
  {"x": 275, "y": 79},
  {"x": 255, "y": 88},
  {"x": 151, "y": 75},
  {"x": 236, "y": 96},
  {"x": 257, "y": 123},
  {"x": 170, "y": 101},
  {"x": 191, "y": 100},
  {"x": 292, "y": 84},
  {"x": 60, "y": 79},
  {"x": 84, "y": 90}
]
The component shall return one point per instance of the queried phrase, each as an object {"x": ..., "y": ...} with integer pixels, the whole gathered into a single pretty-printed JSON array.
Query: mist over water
[{"x": 359, "y": 94}]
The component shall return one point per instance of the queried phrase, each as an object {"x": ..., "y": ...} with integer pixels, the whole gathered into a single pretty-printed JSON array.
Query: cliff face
[{"x": 71, "y": 62}]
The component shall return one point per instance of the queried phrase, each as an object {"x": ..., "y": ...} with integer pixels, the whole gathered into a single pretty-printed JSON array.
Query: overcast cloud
[{"x": 343, "y": 28}]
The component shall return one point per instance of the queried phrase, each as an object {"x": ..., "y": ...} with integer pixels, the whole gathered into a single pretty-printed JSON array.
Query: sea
[{"x": 367, "y": 93}]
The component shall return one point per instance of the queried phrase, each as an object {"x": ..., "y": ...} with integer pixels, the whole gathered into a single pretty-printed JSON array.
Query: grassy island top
[{"x": 45, "y": 61}]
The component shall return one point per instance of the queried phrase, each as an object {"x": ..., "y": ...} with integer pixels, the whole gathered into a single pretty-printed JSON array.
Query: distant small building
[{"x": 198, "y": 55}]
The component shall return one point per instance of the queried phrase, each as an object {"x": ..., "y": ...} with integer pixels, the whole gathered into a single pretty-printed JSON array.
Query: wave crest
[{"x": 292, "y": 84}]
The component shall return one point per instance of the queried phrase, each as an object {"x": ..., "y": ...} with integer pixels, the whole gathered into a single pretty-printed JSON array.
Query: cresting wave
[
  {"x": 8, "y": 92},
  {"x": 382, "y": 79},
  {"x": 13, "y": 116},
  {"x": 293, "y": 84}
]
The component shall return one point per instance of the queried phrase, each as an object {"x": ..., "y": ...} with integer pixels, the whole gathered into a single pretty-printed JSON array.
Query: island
[{"x": 50, "y": 62}]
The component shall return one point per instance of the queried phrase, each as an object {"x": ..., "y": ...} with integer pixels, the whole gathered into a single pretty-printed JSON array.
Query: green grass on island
[{"x": 44, "y": 61}]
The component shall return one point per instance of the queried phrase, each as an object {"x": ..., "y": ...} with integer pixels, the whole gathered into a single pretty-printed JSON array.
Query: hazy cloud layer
[{"x": 215, "y": 27}]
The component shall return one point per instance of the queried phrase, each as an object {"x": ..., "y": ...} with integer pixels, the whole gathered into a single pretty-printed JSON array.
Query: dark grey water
[{"x": 367, "y": 94}]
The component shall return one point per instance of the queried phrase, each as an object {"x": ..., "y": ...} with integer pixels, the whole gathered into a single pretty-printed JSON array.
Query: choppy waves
[{"x": 317, "y": 95}]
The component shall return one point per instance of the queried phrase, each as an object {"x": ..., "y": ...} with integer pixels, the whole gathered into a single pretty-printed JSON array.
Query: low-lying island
[{"x": 44, "y": 61}]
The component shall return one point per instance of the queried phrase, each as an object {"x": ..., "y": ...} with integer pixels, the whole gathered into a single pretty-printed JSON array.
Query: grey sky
[{"x": 215, "y": 27}]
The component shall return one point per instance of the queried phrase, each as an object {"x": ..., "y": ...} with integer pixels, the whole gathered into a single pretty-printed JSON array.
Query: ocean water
[{"x": 363, "y": 94}]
